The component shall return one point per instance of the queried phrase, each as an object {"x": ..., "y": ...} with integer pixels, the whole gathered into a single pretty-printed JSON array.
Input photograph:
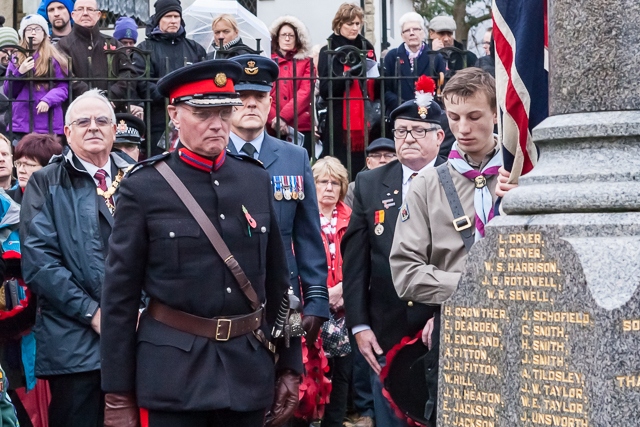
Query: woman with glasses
[
  {"x": 331, "y": 180},
  {"x": 37, "y": 105},
  {"x": 291, "y": 49},
  {"x": 32, "y": 153}
]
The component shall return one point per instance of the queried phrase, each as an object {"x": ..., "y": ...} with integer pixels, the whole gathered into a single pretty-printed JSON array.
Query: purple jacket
[{"x": 18, "y": 92}]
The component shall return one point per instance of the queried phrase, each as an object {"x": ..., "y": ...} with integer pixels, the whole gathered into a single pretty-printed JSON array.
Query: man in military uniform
[
  {"x": 199, "y": 356},
  {"x": 431, "y": 241},
  {"x": 293, "y": 188},
  {"x": 129, "y": 134},
  {"x": 375, "y": 314}
]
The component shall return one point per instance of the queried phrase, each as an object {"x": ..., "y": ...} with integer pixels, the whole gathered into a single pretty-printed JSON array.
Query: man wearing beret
[
  {"x": 376, "y": 316},
  {"x": 293, "y": 189},
  {"x": 447, "y": 207},
  {"x": 129, "y": 135},
  {"x": 200, "y": 356}
]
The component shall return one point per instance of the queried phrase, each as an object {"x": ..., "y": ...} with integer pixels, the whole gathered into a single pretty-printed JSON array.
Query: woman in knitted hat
[{"x": 38, "y": 59}]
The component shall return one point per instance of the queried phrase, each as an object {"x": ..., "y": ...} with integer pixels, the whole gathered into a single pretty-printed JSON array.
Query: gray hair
[
  {"x": 95, "y": 94},
  {"x": 412, "y": 17}
]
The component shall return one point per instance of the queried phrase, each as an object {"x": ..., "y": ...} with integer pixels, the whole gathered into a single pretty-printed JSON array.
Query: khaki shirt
[{"x": 428, "y": 254}]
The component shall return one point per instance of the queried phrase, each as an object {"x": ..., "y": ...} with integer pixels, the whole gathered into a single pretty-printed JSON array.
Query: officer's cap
[
  {"x": 205, "y": 84},
  {"x": 129, "y": 129},
  {"x": 258, "y": 73},
  {"x": 381, "y": 144}
]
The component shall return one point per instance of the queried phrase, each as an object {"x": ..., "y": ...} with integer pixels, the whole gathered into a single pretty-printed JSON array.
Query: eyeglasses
[
  {"x": 326, "y": 182},
  {"x": 417, "y": 133},
  {"x": 204, "y": 114},
  {"x": 411, "y": 30},
  {"x": 34, "y": 29},
  {"x": 84, "y": 10},
  {"x": 19, "y": 164},
  {"x": 287, "y": 36},
  {"x": 84, "y": 122},
  {"x": 388, "y": 156}
]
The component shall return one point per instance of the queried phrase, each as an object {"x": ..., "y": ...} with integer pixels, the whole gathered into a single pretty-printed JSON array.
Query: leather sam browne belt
[{"x": 217, "y": 328}]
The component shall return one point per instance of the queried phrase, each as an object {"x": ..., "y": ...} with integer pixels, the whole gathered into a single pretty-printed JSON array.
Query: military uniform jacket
[
  {"x": 369, "y": 296},
  {"x": 428, "y": 254},
  {"x": 299, "y": 222},
  {"x": 157, "y": 246}
]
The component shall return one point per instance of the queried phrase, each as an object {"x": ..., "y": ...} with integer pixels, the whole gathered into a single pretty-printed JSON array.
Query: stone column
[
  {"x": 586, "y": 183},
  {"x": 370, "y": 21}
]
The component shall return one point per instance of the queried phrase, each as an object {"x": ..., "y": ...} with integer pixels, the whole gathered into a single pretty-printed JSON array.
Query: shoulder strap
[
  {"x": 461, "y": 222},
  {"x": 207, "y": 226}
]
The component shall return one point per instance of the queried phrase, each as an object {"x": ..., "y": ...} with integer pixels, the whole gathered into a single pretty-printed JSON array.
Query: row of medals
[{"x": 287, "y": 194}]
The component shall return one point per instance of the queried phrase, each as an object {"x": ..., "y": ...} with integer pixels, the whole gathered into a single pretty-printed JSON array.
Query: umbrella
[{"x": 199, "y": 16}]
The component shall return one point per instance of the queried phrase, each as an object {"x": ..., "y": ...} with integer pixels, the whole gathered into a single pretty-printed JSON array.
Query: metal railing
[{"x": 128, "y": 85}]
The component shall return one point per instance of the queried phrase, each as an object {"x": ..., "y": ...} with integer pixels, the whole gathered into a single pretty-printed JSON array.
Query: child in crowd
[{"x": 30, "y": 112}]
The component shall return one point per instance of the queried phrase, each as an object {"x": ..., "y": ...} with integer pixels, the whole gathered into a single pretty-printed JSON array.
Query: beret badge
[{"x": 425, "y": 86}]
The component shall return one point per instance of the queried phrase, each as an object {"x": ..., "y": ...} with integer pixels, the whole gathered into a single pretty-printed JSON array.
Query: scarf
[
  {"x": 329, "y": 230},
  {"x": 482, "y": 202},
  {"x": 414, "y": 55}
]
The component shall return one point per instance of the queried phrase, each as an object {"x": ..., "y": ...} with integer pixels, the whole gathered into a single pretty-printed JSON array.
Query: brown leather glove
[
  {"x": 311, "y": 325},
  {"x": 285, "y": 402},
  {"x": 121, "y": 410}
]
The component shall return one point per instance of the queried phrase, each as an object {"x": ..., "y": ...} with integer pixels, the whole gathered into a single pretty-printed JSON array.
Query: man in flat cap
[
  {"x": 201, "y": 355},
  {"x": 293, "y": 189},
  {"x": 129, "y": 134},
  {"x": 441, "y": 36},
  {"x": 376, "y": 316},
  {"x": 447, "y": 208}
]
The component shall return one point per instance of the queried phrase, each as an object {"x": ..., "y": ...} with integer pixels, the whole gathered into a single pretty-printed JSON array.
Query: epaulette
[
  {"x": 245, "y": 158},
  {"x": 148, "y": 162}
]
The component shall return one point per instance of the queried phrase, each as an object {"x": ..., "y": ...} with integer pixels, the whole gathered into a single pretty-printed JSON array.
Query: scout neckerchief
[
  {"x": 482, "y": 201},
  {"x": 199, "y": 162}
]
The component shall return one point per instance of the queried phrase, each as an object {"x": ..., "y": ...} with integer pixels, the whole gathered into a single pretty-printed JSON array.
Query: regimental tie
[
  {"x": 249, "y": 149},
  {"x": 104, "y": 191}
]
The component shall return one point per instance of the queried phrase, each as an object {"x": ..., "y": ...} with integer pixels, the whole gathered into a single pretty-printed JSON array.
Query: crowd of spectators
[{"x": 337, "y": 106}]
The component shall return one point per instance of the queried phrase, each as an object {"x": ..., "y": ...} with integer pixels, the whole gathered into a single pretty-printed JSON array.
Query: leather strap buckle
[
  {"x": 220, "y": 324},
  {"x": 462, "y": 223}
]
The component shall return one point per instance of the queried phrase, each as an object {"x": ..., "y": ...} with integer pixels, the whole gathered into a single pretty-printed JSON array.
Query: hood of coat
[{"x": 301, "y": 29}]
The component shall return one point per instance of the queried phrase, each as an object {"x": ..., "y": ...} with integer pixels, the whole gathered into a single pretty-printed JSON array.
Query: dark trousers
[
  {"x": 219, "y": 418},
  {"x": 362, "y": 394},
  {"x": 76, "y": 400},
  {"x": 335, "y": 411}
]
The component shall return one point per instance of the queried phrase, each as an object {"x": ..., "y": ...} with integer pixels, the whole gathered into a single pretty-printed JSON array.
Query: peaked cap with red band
[
  {"x": 205, "y": 84},
  {"x": 423, "y": 108}
]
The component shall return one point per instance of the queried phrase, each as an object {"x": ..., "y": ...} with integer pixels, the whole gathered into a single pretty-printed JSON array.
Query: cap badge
[
  {"x": 251, "y": 68},
  {"x": 220, "y": 80},
  {"x": 122, "y": 126},
  {"x": 422, "y": 112}
]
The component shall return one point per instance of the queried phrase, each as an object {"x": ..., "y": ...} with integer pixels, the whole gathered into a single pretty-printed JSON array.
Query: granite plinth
[
  {"x": 594, "y": 61},
  {"x": 544, "y": 328}
]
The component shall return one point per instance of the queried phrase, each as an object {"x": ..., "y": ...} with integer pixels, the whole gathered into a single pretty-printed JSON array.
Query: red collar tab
[{"x": 202, "y": 163}]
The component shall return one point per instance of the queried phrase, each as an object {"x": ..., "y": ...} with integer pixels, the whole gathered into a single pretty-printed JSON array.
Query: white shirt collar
[
  {"x": 407, "y": 172},
  {"x": 239, "y": 142},
  {"x": 92, "y": 169}
]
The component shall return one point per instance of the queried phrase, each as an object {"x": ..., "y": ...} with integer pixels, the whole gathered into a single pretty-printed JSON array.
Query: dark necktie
[
  {"x": 249, "y": 149},
  {"x": 101, "y": 177},
  {"x": 413, "y": 175}
]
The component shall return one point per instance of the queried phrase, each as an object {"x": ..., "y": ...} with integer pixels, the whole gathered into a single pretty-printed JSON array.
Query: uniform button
[
  {"x": 216, "y": 182},
  {"x": 228, "y": 290},
  {"x": 89, "y": 48},
  {"x": 263, "y": 229},
  {"x": 410, "y": 303},
  {"x": 172, "y": 234},
  {"x": 222, "y": 216}
]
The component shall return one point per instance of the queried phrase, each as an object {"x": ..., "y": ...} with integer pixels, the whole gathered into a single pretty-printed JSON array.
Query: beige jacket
[{"x": 428, "y": 254}]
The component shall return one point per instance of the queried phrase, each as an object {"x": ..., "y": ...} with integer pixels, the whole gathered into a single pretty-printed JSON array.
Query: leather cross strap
[
  {"x": 207, "y": 226},
  {"x": 461, "y": 221}
]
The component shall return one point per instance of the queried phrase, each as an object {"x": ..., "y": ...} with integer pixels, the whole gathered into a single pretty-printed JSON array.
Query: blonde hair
[
  {"x": 332, "y": 167},
  {"x": 229, "y": 19},
  {"x": 347, "y": 12},
  {"x": 46, "y": 51}
]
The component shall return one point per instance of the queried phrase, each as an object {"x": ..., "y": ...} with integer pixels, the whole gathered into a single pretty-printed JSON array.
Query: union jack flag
[{"x": 522, "y": 81}]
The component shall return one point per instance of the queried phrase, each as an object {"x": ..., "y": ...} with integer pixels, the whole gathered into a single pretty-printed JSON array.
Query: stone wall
[{"x": 370, "y": 21}]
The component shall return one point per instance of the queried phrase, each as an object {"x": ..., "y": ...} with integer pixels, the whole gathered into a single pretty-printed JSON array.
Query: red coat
[
  {"x": 287, "y": 88},
  {"x": 334, "y": 275}
]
